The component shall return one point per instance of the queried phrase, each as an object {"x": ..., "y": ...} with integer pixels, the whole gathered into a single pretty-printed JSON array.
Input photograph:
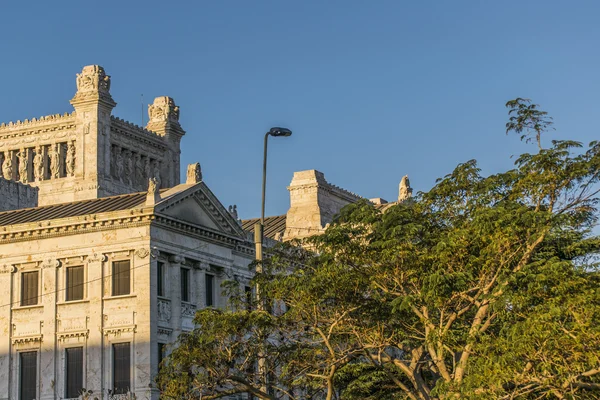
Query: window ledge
[
  {"x": 123, "y": 296},
  {"x": 28, "y": 307},
  {"x": 61, "y": 303}
]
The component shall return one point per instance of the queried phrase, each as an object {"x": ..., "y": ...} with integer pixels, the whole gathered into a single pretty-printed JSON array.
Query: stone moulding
[
  {"x": 119, "y": 330},
  {"x": 27, "y": 339},
  {"x": 63, "y": 336}
]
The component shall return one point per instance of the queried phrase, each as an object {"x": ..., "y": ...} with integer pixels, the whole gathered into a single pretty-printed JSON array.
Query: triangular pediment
[{"x": 197, "y": 205}]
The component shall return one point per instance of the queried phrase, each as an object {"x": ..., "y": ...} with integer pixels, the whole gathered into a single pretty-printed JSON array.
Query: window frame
[
  {"x": 185, "y": 294},
  {"x": 83, "y": 283},
  {"x": 20, "y": 371},
  {"x": 210, "y": 297},
  {"x": 113, "y": 346},
  {"x": 114, "y": 277},
  {"x": 66, "y": 370},
  {"x": 160, "y": 279},
  {"x": 25, "y": 302}
]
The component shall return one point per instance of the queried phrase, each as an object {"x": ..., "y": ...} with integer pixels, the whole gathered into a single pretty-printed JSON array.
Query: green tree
[{"x": 482, "y": 288}]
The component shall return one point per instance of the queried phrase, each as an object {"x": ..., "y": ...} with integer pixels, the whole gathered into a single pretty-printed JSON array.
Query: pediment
[{"x": 199, "y": 206}]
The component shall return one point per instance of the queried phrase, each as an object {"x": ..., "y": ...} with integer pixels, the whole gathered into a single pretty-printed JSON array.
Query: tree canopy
[{"x": 484, "y": 287}]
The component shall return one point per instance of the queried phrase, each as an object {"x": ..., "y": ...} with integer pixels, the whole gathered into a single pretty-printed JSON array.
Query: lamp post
[
  {"x": 259, "y": 226},
  {"x": 258, "y": 241}
]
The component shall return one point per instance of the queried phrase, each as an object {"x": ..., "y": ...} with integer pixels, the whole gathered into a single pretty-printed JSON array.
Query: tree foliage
[{"x": 481, "y": 288}]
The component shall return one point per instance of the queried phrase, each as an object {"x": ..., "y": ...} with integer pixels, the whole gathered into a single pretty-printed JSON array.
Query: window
[
  {"x": 185, "y": 284},
  {"x": 29, "y": 288},
  {"x": 74, "y": 371},
  {"x": 209, "y": 280},
  {"x": 74, "y": 283},
  {"x": 121, "y": 368},
  {"x": 248, "y": 293},
  {"x": 160, "y": 282},
  {"x": 121, "y": 275},
  {"x": 161, "y": 353},
  {"x": 28, "y": 375}
]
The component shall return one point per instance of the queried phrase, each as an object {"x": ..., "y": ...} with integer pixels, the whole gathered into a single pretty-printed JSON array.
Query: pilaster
[
  {"x": 175, "y": 278},
  {"x": 48, "y": 348},
  {"x": 6, "y": 284},
  {"x": 95, "y": 344}
]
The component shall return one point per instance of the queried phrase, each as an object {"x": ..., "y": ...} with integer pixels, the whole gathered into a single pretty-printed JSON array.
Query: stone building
[
  {"x": 104, "y": 255},
  {"x": 313, "y": 204}
]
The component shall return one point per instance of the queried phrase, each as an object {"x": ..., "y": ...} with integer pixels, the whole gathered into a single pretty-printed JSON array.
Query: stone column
[
  {"x": 48, "y": 349},
  {"x": 175, "y": 277},
  {"x": 95, "y": 341},
  {"x": 6, "y": 273},
  {"x": 201, "y": 284}
]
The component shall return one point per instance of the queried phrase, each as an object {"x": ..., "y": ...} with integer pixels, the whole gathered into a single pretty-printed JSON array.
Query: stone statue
[
  {"x": 119, "y": 166},
  {"x": 233, "y": 211},
  {"x": 405, "y": 191},
  {"x": 147, "y": 169},
  {"x": 129, "y": 167},
  {"x": 152, "y": 186},
  {"x": 194, "y": 174},
  {"x": 54, "y": 162},
  {"x": 139, "y": 170},
  {"x": 157, "y": 173},
  {"x": 23, "y": 161},
  {"x": 7, "y": 167},
  {"x": 70, "y": 159},
  {"x": 38, "y": 164}
]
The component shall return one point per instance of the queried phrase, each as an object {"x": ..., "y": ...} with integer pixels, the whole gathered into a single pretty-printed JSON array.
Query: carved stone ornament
[
  {"x": 194, "y": 174},
  {"x": 95, "y": 257},
  {"x": 51, "y": 263},
  {"x": 70, "y": 159},
  {"x": 188, "y": 310},
  {"x": 38, "y": 164},
  {"x": 163, "y": 110},
  {"x": 164, "y": 310},
  {"x": 7, "y": 166},
  {"x": 142, "y": 253},
  {"x": 8, "y": 269},
  {"x": 93, "y": 79}
]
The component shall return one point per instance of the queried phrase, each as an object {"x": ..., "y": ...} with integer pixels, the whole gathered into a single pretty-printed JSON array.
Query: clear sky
[{"x": 372, "y": 90}]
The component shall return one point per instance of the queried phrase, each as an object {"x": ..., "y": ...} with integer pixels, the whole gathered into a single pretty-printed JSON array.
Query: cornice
[{"x": 137, "y": 133}]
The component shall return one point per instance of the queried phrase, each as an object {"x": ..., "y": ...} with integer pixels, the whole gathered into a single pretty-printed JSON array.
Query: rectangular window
[
  {"x": 28, "y": 375},
  {"x": 121, "y": 276},
  {"x": 210, "y": 283},
  {"x": 248, "y": 293},
  {"x": 185, "y": 284},
  {"x": 161, "y": 353},
  {"x": 29, "y": 288},
  {"x": 121, "y": 368},
  {"x": 160, "y": 275},
  {"x": 74, "y": 283},
  {"x": 74, "y": 371}
]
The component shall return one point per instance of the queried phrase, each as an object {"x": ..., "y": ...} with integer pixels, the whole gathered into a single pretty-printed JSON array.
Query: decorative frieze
[
  {"x": 188, "y": 310},
  {"x": 164, "y": 310}
]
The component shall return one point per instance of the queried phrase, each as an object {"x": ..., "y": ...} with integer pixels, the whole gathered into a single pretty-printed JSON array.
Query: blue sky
[{"x": 372, "y": 90}]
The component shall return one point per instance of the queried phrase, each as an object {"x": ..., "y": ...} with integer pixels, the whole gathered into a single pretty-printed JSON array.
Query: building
[
  {"x": 104, "y": 255},
  {"x": 313, "y": 204}
]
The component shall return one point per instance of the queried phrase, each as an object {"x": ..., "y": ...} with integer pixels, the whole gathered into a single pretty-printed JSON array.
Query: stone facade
[
  {"x": 17, "y": 195},
  {"x": 90, "y": 153},
  {"x": 145, "y": 252}
]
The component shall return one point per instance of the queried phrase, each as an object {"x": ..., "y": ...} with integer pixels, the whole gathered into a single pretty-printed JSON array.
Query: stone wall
[
  {"x": 313, "y": 204},
  {"x": 89, "y": 153},
  {"x": 15, "y": 195}
]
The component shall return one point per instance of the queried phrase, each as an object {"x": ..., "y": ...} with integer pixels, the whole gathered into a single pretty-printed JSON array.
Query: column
[
  {"x": 95, "y": 342},
  {"x": 6, "y": 273},
  {"x": 175, "y": 278},
  {"x": 48, "y": 350}
]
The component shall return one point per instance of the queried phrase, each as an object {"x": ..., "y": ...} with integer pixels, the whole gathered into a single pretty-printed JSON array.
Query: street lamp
[
  {"x": 258, "y": 240},
  {"x": 259, "y": 226}
]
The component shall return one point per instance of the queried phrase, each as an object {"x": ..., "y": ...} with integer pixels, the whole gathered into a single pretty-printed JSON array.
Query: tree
[{"x": 483, "y": 288}]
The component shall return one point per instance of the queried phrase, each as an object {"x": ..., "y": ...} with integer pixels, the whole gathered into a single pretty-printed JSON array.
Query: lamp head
[{"x": 277, "y": 131}]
